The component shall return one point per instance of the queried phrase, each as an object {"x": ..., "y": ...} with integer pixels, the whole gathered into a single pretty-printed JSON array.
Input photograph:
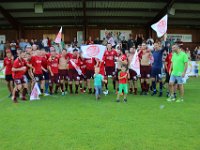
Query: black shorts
[
  {"x": 167, "y": 77},
  {"x": 8, "y": 78},
  {"x": 116, "y": 74},
  {"x": 110, "y": 71},
  {"x": 27, "y": 76},
  {"x": 89, "y": 74},
  {"x": 145, "y": 72},
  {"x": 46, "y": 75},
  {"x": 63, "y": 74},
  {"x": 156, "y": 73},
  {"x": 39, "y": 77},
  {"x": 20, "y": 81},
  {"x": 133, "y": 75},
  {"x": 54, "y": 79},
  {"x": 73, "y": 75},
  {"x": 83, "y": 78}
]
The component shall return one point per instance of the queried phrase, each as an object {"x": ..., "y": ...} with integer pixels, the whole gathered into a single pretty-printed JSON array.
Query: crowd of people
[{"x": 51, "y": 65}]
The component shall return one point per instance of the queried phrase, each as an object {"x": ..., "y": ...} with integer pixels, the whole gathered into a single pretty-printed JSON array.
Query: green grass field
[{"x": 79, "y": 122}]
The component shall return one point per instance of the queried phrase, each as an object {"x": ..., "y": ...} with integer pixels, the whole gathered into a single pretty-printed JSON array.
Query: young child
[
  {"x": 98, "y": 79},
  {"x": 123, "y": 83},
  {"x": 196, "y": 70}
]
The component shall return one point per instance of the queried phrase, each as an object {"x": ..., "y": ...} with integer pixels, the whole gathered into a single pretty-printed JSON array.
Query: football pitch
[{"x": 79, "y": 122}]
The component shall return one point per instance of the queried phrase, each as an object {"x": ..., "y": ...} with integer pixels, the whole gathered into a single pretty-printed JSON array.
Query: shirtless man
[
  {"x": 62, "y": 66},
  {"x": 133, "y": 75},
  {"x": 146, "y": 58}
]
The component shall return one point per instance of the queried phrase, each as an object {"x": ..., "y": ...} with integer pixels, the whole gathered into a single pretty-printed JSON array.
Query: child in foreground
[
  {"x": 98, "y": 79},
  {"x": 123, "y": 83}
]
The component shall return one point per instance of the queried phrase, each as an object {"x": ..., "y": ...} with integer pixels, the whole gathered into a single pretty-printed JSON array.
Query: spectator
[
  {"x": 2, "y": 48},
  {"x": 131, "y": 41},
  {"x": 104, "y": 42},
  {"x": 22, "y": 44},
  {"x": 45, "y": 44},
  {"x": 150, "y": 45},
  {"x": 75, "y": 42},
  {"x": 124, "y": 43},
  {"x": 97, "y": 41},
  {"x": 150, "y": 40},
  {"x": 89, "y": 42},
  {"x": 187, "y": 51},
  {"x": 139, "y": 39},
  {"x": 13, "y": 48},
  {"x": 49, "y": 42}
]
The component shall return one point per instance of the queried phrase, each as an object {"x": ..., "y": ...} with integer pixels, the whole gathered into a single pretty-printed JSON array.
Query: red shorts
[
  {"x": 145, "y": 71},
  {"x": 133, "y": 74},
  {"x": 39, "y": 77},
  {"x": 54, "y": 79},
  {"x": 20, "y": 81},
  {"x": 73, "y": 75},
  {"x": 89, "y": 74},
  {"x": 110, "y": 71},
  {"x": 63, "y": 74}
]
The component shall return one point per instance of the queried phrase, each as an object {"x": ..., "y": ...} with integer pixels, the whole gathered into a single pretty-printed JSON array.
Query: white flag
[
  {"x": 59, "y": 36},
  {"x": 76, "y": 67},
  {"x": 93, "y": 51},
  {"x": 35, "y": 92},
  {"x": 135, "y": 63},
  {"x": 161, "y": 26}
]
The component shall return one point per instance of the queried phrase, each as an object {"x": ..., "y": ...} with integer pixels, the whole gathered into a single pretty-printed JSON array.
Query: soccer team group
[{"x": 56, "y": 73}]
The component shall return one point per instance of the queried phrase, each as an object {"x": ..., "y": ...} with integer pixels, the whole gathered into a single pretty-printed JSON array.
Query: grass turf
[{"x": 79, "y": 122}]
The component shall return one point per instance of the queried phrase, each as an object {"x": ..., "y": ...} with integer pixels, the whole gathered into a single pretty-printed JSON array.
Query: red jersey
[
  {"x": 53, "y": 64},
  {"x": 110, "y": 58},
  {"x": 73, "y": 58},
  {"x": 83, "y": 66},
  {"x": 44, "y": 62},
  {"x": 102, "y": 68},
  {"x": 36, "y": 62},
  {"x": 8, "y": 63},
  {"x": 168, "y": 61},
  {"x": 90, "y": 63},
  {"x": 90, "y": 42},
  {"x": 124, "y": 80},
  {"x": 18, "y": 63}
]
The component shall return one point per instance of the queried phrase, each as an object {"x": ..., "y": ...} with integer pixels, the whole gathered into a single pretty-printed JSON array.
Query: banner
[
  {"x": 180, "y": 37},
  {"x": 35, "y": 92},
  {"x": 191, "y": 67},
  {"x": 93, "y": 51},
  {"x": 2, "y": 73},
  {"x": 59, "y": 36},
  {"x": 76, "y": 67},
  {"x": 117, "y": 35},
  {"x": 161, "y": 26},
  {"x": 135, "y": 63}
]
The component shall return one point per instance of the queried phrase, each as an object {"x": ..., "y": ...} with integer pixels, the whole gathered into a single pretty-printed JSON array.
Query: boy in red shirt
[
  {"x": 123, "y": 83},
  {"x": 73, "y": 74},
  {"x": 7, "y": 64},
  {"x": 18, "y": 73},
  {"x": 38, "y": 69},
  {"x": 110, "y": 55},
  {"x": 90, "y": 63},
  {"x": 52, "y": 65}
]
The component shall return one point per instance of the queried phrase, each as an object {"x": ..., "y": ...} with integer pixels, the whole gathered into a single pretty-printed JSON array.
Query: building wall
[{"x": 70, "y": 33}]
